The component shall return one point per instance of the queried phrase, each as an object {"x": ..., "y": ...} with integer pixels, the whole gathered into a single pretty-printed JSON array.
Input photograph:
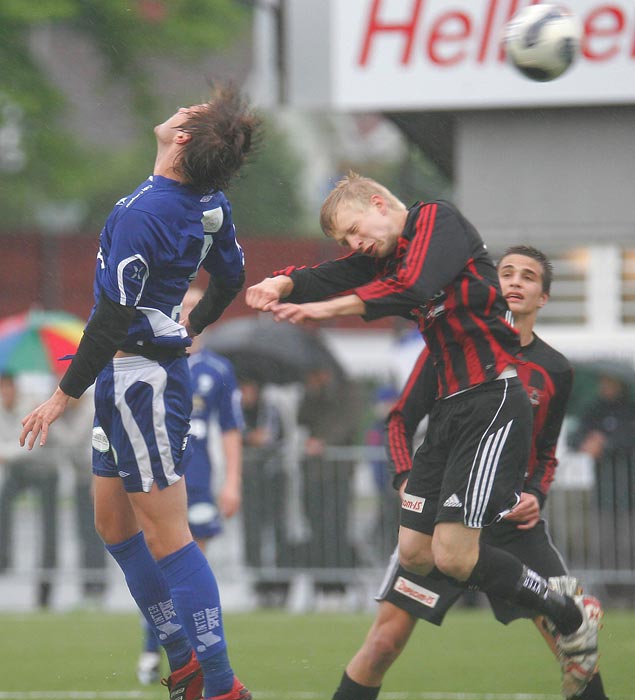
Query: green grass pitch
[{"x": 280, "y": 656}]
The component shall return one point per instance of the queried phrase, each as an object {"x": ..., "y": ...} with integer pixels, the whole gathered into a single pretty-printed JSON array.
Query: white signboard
[{"x": 437, "y": 54}]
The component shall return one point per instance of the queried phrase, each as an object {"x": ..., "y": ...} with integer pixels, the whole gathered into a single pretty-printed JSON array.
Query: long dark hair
[{"x": 224, "y": 130}]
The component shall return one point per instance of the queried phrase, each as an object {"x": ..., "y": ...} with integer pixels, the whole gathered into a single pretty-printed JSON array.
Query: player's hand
[
  {"x": 38, "y": 421},
  {"x": 526, "y": 513},
  {"x": 185, "y": 322},
  {"x": 229, "y": 500},
  {"x": 263, "y": 295},
  {"x": 297, "y": 313}
]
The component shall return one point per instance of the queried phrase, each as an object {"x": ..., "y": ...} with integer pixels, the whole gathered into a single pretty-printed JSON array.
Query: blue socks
[
  {"x": 152, "y": 595},
  {"x": 183, "y": 581},
  {"x": 195, "y": 595}
]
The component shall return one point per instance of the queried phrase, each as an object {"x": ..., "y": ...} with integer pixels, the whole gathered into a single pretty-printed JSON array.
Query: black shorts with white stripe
[
  {"x": 471, "y": 464},
  {"x": 426, "y": 597},
  {"x": 430, "y": 597}
]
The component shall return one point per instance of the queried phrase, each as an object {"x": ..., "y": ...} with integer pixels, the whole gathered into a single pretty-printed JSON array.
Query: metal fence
[
  {"x": 332, "y": 524},
  {"x": 322, "y": 529},
  {"x": 593, "y": 523}
]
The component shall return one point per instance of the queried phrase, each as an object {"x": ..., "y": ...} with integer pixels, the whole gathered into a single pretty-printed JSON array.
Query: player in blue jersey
[
  {"x": 151, "y": 247},
  {"x": 216, "y": 406}
]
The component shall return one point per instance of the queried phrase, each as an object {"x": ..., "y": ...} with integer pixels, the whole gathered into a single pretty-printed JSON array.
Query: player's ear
[
  {"x": 377, "y": 201},
  {"x": 544, "y": 298},
  {"x": 181, "y": 137}
]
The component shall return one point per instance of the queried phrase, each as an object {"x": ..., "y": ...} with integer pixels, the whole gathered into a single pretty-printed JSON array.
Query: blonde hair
[{"x": 353, "y": 189}]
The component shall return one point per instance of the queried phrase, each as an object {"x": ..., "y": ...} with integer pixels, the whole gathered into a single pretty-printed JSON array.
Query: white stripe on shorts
[
  {"x": 127, "y": 371},
  {"x": 481, "y": 480}
]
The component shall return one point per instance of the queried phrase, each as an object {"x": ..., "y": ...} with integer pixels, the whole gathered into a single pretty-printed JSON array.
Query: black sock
[
  {"x": 349, "y": 690},
  {"x": 504, "y": 575},
  {"x": 593, "y": 691}
]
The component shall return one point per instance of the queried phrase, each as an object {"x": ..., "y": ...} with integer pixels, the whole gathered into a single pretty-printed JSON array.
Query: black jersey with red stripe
[
  {"x": 547, "y": 377},
  {"x": 441, "y": 276}
]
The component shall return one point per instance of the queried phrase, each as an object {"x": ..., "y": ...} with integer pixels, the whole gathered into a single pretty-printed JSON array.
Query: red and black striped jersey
[
  {"x": 441, "y": 276},
  {"x": 547, "y": 377}
]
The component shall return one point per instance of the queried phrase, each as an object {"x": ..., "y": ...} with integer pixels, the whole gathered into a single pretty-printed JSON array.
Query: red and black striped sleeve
[
  {"x": 438, "y": 252},
  {"x": 414, "y": 404},
  {"x": 548, "y": 378},
  {"x": 329, "y": 278},
  {"x": 547, "y": 440}
]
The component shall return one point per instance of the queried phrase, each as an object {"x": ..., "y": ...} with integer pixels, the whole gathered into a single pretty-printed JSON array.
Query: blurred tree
[
  {"x": 265, "y": 197},
  {"x": 414, "y": 177},
  {"x": 48, "y": 177}
]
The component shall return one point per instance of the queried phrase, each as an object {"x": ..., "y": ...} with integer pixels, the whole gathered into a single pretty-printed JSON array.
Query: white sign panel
[{"x": 436, "y": 54}]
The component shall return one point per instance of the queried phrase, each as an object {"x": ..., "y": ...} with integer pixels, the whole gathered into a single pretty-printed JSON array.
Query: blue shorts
[{"x": 142, "y": 421}]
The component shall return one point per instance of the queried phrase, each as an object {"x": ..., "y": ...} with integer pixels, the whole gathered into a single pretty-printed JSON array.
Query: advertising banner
[{"x": 439, "y": 55}]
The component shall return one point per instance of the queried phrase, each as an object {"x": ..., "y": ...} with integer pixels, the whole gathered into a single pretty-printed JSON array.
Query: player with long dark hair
[{"x": 151, "y": 247}]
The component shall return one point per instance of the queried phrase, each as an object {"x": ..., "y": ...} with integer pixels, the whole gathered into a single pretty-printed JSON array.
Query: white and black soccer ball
[{"x": 542, "y": 41}]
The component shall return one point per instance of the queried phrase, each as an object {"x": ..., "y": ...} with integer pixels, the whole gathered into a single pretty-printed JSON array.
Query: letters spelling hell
[{"x": 453, "y": 36}]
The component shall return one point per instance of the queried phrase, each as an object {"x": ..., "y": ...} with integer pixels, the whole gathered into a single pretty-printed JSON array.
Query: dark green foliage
[{"x": 54, "y": 165}]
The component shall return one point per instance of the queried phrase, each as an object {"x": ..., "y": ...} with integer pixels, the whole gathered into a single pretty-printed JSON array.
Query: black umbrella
[{"x": 265, "y": 350}]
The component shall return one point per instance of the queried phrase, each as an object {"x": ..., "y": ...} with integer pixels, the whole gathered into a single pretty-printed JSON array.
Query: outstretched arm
[
  {"x": 349, "y": 305},
  {"x": 38, "y": 421},
  {"x": 263, "y": 295}
]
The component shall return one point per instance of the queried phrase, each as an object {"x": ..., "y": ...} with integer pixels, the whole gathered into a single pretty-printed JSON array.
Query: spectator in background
[
  {"x": 608, "y": 424},
  {"x": 388, "y": 502},
  {"x": 215, "y": 404},
  {"x": 26, "y": 472},
  {"x": 328, "y": 415},
  {"x": 264, "y": 491},
  {"x": 74, "y": 435},
  {"x": 22, "y": 473},
  {"x": 607, "y": 433}
]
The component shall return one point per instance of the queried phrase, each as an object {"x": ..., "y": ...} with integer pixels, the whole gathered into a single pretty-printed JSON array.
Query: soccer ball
[{"x": 542, "y": 41}]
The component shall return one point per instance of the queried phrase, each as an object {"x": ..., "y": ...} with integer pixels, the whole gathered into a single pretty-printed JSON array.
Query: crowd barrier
[
  {"x": 332, "y": 523},
  {"x": 328, "y": 525}
]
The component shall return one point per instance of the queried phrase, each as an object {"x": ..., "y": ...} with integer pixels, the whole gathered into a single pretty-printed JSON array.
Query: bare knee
[
  {"x": 450, "y": 563},
  {"x": 383, "y": 647},
  {"x": 455, "y": 549},
  {"x": 113, "y": 531},
  {"x": 415, "y": 553},
  {"x": 416, "y": 561}
]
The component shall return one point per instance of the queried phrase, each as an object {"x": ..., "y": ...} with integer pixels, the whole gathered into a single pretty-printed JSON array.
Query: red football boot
[
  {"x": 186, "y": 683},
  {"x": 238, "y": 692}
]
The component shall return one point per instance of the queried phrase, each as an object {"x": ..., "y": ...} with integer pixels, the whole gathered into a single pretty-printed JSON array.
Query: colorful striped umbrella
[{"x": 36, "y": 340}]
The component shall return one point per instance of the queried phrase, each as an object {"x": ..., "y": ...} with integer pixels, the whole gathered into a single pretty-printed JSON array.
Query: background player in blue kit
[
  {"x": 151, "y": 247},
  {"x": 525, "y": 275},
  {"x": 216, "y": 409}
]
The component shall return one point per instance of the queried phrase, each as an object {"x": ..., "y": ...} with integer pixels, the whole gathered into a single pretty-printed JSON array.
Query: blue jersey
[
  {"x": 150, "y": 249},
  {"x": 216, "y": 398}
]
